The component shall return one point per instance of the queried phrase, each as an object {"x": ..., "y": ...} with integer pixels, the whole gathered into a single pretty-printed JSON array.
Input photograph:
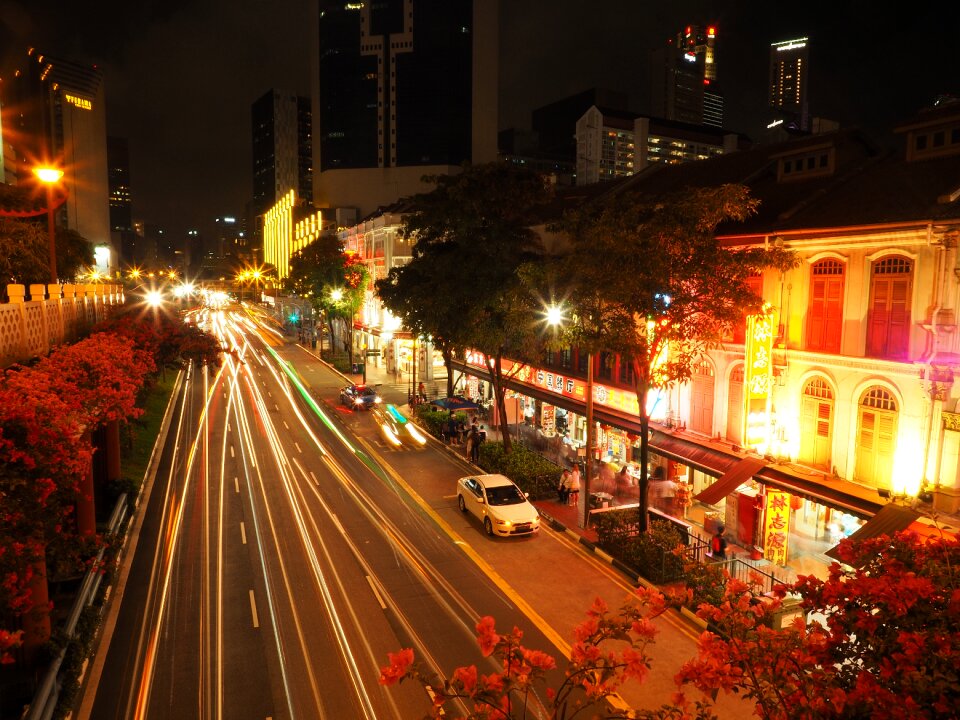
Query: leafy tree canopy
[
  {"x": 471, "y": 240},
  {"x": 334, "y": 279},
  {"x": 25, "y": 254}
]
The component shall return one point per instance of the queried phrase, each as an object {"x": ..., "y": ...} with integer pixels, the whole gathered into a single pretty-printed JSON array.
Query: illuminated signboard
[
  {"x": 78, "y": 101},
  {"x": 758, "y": 378},
  {"x": 776, "y": 527},
  {"x": 555, "y": 382}
]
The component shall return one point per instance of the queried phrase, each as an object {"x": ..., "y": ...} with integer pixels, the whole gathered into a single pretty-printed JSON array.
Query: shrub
[{"x": 532, "y": 472}]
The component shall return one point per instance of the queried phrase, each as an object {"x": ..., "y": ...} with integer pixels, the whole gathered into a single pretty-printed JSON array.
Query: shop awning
[
  {"x": 731, "y": 480},
  {"x": 455, "y": 403},
  {"x": 890, "y": 520}
]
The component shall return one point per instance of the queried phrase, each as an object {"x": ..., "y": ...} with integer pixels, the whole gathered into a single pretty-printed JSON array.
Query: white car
[{"x": 499, "y": 504}]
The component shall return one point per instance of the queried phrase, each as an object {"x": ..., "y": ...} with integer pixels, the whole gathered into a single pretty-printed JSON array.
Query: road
[{"x": 285, "y": 546}]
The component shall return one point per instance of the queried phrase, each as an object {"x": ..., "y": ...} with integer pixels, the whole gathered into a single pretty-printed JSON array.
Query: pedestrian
[
  {"x": 450, "y": 429},
  {"x": 481, "y": 437},
  {"x": 563, "y": 489},
  {"x": 718, "y": 546},
  {"x": 472, "y": 437},
  {"x": 461, "y": 431},
  {"x": 473, "y": 444},
  {"x": 422, "y": 392}
]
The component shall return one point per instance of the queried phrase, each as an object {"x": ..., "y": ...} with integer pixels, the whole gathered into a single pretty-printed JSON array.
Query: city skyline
[{"x": 180, "y": 78}]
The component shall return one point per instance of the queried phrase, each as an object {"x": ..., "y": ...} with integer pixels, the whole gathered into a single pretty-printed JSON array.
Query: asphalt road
[{"x": 285, "y": 546}]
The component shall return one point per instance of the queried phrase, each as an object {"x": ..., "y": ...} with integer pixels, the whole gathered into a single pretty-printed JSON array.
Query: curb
[{"x": 628, "y": 571}]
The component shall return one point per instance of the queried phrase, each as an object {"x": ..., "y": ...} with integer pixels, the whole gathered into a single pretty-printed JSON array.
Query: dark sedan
[{"x": 359, "y": 397}]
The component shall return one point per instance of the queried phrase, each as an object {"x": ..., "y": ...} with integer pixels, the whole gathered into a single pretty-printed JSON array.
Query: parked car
[
  {"x": 499, "y": 504},
  {"x": 359, "y": 397}
]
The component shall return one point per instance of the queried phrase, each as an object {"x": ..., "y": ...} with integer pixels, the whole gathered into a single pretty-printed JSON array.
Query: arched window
[
  {"x": 876, "y": 437},
  {"x": 816, "y": 424},
  {"x": 888, "y": 319},
  {"x": 825, "y": 310}
]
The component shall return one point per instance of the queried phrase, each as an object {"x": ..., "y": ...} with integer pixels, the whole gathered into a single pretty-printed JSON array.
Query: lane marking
[
  {"x": 231, "y": 451},
  {"x": 236, "y": 485},
  {"x": 285, "y": 425},
  {"x": 243, "y": 534},
  {"x": 373, "y": 588},
  {"x": 317, "y": 482},
  {"x": 253, "y": 610},
  {"x": 297, "y": 446}
]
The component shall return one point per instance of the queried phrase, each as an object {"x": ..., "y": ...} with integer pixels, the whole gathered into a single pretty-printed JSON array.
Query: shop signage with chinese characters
[
  {"x": 776, "y": 527},
  {"x": 548, "y": 419},
  {"x": 555, "y": 382},
  {"x": 758, "y": 378}
]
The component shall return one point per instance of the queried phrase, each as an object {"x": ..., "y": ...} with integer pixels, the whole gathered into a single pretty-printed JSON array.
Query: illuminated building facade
[
  {"x": 61, "y": 117},
  {"x": 612, "y": 144},
  {"x": 282, "y": 127},
  {"x": 405, "y": 88},
  {"x": 844, "y": 394},
  {"x": 377, "y": 240},
  {"x": 684, "y": 86},
  {"x": 789, "y": 80}
]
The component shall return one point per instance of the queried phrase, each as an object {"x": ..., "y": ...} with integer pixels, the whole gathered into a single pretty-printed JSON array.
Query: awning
[
  {"x": 455, "y": 403},
  {"x": 890, "y": 520},
  {"x": 731, "y": 480}
]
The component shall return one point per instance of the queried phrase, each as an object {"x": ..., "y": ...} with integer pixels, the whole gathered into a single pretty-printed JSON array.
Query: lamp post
[
  {"x": 555, "y": 317},
  {"x": 49, "y": 176}
]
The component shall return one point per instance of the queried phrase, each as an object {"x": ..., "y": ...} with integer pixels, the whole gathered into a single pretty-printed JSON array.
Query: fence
[{"x": 31, "y": 325}]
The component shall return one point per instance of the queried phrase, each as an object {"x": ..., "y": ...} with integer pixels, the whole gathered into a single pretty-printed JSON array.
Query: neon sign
[
  {"x": 776, "y": 526},
  {"x": 78, "y": 101},
  {"x": 758, "y": 379}
]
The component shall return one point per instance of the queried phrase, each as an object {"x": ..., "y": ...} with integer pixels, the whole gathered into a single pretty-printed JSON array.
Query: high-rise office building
[
  {"x": 789, "y": 73},
  {"x": 118, "y": 181},
  {"x": 61, "y": 118},
  {"x": 684, "y": 85},
  {"x": 282, "y": 148},
  {"x": 404, "y": 88}
]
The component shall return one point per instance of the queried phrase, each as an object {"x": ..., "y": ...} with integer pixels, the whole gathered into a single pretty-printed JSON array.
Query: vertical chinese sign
[
  {"x": 758, "y": 379},
  {"x": 776, "y": 527}
]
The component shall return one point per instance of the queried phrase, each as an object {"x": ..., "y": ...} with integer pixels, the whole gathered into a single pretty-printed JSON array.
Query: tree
[
  {"x": 472, "y": 240},
  {"x": 881, "y": 640},
  {"x": 335, "y": 280},
  {"x": 25, "y": 256},
  {"x": 649, "y": 280}
]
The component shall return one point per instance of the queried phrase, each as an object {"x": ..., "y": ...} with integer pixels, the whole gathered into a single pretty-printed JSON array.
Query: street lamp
[
  {"x": 50, "y": 176},
  {"x": 556, "y": 317}
]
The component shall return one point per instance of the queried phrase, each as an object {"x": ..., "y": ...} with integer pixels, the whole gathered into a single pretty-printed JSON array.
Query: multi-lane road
[{"x": 284, "y": 546}]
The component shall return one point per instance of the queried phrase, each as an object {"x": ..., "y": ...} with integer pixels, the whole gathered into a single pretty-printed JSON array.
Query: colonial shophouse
[{"x": 862, "y": 407}]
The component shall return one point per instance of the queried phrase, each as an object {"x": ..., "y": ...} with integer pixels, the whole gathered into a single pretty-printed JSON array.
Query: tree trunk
[
  {"x": 642, "y": 392},
  {"x": 86, "y": 510},
  {"x": 447, "y": 361},
  {"x": 36, "y": 621},
  {"x": 496, "y": 378}
]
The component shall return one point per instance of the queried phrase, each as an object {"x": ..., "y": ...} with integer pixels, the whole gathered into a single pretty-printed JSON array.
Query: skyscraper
[
  {"x": 789, "y": 72},
  {"x": 684, "y": 86},
  {"x": 282, "y": 148},
  {"x": 404, "y": 88},
  {"x": 118, "y": 180}
]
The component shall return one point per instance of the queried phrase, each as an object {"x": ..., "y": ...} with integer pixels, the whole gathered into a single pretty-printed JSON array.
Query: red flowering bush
[
  {"x": 881, "y": 641},
  {"x": 608, "y": 650}
]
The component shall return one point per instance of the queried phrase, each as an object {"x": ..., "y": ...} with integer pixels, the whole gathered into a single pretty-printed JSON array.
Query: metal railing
[{"x": 45, "y": 700}]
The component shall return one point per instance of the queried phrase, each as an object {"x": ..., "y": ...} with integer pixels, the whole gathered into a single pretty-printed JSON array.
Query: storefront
[{"x": 771, "y": 515}]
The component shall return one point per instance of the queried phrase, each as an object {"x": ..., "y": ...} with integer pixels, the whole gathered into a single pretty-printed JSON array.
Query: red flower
[{"x": 400, "y": 663}]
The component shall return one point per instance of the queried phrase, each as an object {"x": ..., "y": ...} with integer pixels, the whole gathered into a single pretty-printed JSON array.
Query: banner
[
  {"x": 776, "y": 526},
  {"x": 757, "y": 381}
]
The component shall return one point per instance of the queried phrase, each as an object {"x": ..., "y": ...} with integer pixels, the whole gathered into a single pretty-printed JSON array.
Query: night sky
[{"x": 181, "y": 74}]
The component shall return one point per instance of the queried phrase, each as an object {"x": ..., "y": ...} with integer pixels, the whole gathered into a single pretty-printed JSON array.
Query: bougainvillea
[{"x": 880, "y": 640}]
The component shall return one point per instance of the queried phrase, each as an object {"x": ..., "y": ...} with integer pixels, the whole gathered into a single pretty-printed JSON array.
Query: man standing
[{"x": 718, "y": 546}]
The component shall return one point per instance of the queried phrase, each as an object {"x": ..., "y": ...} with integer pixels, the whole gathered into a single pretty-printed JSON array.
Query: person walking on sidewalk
[
  {"x": 472, "y": 438},
  {"x": 422, "y": 392}
]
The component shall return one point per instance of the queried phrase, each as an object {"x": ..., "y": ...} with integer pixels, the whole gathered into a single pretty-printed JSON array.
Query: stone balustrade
[{"x": 39, "y": 317}]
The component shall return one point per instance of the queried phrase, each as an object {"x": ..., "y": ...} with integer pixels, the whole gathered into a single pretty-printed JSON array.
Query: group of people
[
  {"x": 455, "y": 431},
  {"x": 569, "y": 483}
]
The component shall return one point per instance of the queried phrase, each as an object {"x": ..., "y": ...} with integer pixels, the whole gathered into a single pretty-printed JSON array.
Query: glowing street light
[
  {"x": 556, "y": 317},
  {"x": 50, "y": 176}
]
